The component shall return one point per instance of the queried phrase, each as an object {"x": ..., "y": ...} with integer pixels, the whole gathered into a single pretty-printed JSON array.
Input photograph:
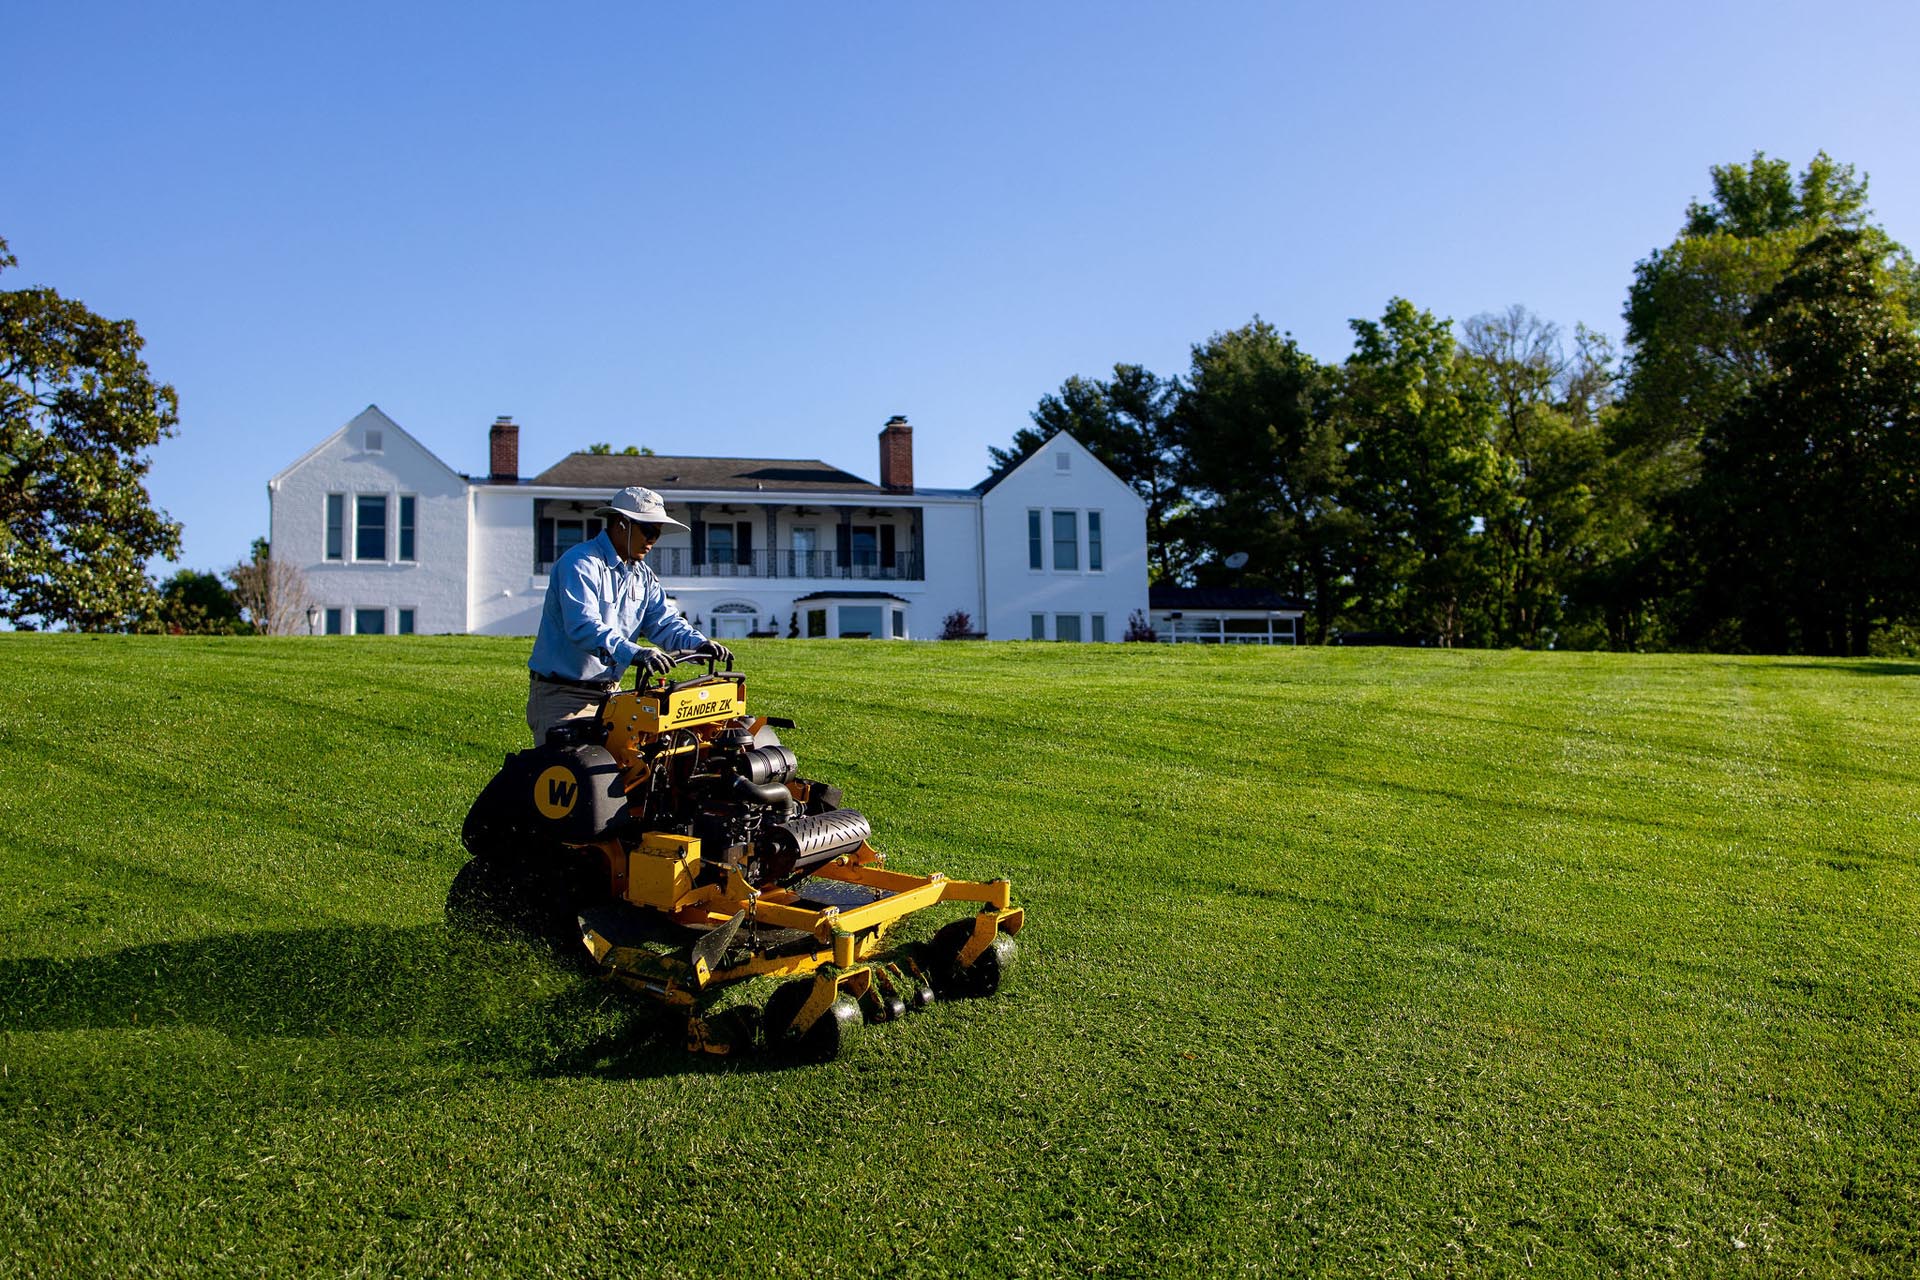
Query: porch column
[
  {"x": 771, "y": 511},
  {"x": 697, "y": 538},
  {"x": 843, "y": 542}
]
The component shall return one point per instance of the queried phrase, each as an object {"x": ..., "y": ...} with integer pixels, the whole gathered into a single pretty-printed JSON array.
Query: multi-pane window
[
  {"x": 1066, "y": 540},
  {"x": 1066, "y": 626},
  {"x": 859, "y": 621},
  {"x": 370, "y": 527},
  {"x": 369, "y": 622},
  {"x": 558, "y": 536},
  {"x": 408, "y": 504},
  {"x": 1035, "y": 558},
  {"x": 724, "y": 545},
  {"x": 405, "y": 623},
  {"x": 1039, "y": 626},
  {"x": 1097, "y": 628},
  {"x": 1094, "y": 561},
  {"x": 334, "y": 620},
  {"x": 336, "y": 527}
]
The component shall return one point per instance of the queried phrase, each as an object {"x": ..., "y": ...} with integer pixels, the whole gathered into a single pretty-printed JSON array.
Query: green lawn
[{"x": 1341, "y": 962}]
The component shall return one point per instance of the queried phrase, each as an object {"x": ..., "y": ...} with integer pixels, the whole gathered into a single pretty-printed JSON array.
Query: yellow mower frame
[{"x": 663, "y": 872}]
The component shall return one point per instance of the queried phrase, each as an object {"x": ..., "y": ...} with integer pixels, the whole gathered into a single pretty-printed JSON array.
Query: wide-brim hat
[{"x": 638, "y": 504}]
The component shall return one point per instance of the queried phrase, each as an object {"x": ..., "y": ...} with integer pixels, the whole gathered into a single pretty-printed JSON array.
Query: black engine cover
[{"x": 564, "y": 794}]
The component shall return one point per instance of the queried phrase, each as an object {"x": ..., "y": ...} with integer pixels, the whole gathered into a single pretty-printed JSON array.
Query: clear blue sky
[{"x": 761, "y": 229}]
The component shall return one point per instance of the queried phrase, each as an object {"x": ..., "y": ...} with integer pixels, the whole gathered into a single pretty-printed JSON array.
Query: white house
[{"x": 391, "y": 539}]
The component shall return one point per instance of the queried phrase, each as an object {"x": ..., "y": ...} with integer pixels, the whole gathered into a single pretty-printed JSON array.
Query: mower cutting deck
[{"x": 674, "y": 832}]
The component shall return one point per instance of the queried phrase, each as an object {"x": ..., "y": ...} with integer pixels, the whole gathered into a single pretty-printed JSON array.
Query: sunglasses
[{"x": 651, "y": 532}]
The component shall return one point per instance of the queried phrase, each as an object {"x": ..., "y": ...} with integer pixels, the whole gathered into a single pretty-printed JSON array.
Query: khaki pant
[{"x": 550, "y": 704}]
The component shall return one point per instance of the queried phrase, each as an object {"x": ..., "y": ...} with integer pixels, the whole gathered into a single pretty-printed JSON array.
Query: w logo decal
[{"x": 555, "y": 791}]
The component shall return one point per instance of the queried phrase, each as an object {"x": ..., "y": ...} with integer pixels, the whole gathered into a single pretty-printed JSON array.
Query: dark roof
[
  {"x": 850, "y": 595},
  {"x": 1250, "y": 598},
  {"x": 610, "y": 471}
]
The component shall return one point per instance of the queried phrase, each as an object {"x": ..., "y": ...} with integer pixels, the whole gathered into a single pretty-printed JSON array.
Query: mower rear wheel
[
  {"x": 538, "y": 895},
  {"x": 830, "y": 1035}
]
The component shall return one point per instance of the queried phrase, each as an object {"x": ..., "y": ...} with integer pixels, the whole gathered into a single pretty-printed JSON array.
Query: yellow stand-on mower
[{"x": 673, "y": 835}]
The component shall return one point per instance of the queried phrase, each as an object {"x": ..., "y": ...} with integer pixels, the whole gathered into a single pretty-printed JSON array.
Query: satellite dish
[{"x": 1238, "y": 560}]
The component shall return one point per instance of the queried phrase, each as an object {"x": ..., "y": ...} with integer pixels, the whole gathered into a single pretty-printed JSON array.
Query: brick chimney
[
  {"x": 896, "y": 455},
  {"x": 503, "y": 443}
]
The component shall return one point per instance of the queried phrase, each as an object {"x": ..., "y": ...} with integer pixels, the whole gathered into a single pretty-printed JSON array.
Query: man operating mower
[{"x": 601, "y": 599}]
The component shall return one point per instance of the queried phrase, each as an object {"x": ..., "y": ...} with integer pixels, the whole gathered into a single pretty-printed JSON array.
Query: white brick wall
[
  {"x": 1016, "y": 591},
  {"x": 433, "y": 584}
]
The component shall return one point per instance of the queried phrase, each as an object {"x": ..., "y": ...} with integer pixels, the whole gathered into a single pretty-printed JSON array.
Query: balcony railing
[{"x": 677, "y": 562}]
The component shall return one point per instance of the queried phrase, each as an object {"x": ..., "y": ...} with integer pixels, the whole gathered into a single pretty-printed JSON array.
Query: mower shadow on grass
[{"x": 494, "y": 1002}]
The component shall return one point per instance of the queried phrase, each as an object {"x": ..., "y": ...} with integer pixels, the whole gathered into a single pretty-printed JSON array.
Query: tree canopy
[
  {"x": 1262, "y": 460},
  {"x": 1807, "y": 515},
  {"x": 78, "y": 410},
  {"x": 1748, "y": 477},
  {"x": 1694, "y": 357}
]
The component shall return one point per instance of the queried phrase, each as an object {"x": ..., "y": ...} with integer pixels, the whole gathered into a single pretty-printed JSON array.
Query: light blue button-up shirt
[{"x": 597, "y": 606}]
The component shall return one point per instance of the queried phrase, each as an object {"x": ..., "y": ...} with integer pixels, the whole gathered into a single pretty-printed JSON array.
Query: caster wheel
[
  {"x": 920, "y": 991},
  {"x": 881, "y": 1005},
  {"x": 940, "y": 959},
  {"x": 982, "y": 977},
  {"x": 826, "y": 1039}
]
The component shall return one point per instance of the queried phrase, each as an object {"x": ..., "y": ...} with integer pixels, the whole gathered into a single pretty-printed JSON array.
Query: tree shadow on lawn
[
  {"x": 1854, "y": 667},
  {"x": 491, "y": 1001}
]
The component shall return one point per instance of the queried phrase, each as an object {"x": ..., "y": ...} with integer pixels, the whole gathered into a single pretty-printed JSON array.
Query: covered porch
[{"x": 740, "y": 539}]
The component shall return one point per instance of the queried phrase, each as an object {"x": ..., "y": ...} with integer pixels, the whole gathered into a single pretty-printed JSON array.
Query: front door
[{"x": 733, "y": 621}]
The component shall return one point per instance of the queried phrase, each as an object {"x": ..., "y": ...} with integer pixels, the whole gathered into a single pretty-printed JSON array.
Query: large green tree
[
  {"x": 1547, "y": 402},
  {"x": 1126, "y": 422},
  {"x": 1692, "y": 357},
  {"x": 78, "y": 410},
  {"x": 1692, "y": 353},
  {"x": 1427, "y": 478},
  {"x": 1263, "y": 463},
  {"x": 1807, "y": 513}
]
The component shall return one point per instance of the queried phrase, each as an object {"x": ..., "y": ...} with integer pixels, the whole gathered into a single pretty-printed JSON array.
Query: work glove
[
  {"x": 717, "y": 651},
  {"x": 653, "y": 662}
]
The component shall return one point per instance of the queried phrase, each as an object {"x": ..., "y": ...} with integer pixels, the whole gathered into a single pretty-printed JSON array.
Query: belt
[{"x": 586, "y": 686}]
